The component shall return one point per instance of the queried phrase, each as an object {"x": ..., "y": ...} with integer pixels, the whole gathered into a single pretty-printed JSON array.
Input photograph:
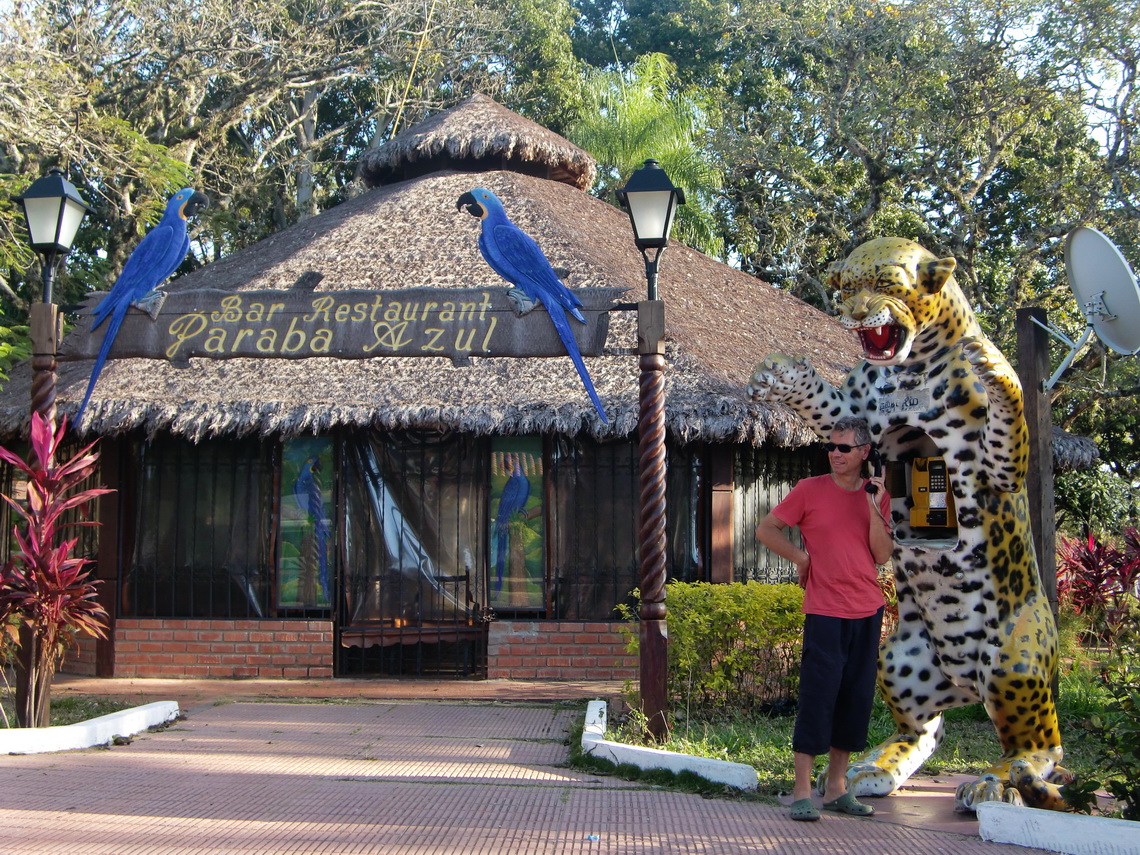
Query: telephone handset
[{"x": 877, "y": 469}]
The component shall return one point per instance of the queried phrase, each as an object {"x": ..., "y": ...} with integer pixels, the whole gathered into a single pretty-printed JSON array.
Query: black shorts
[{"x": 837, "y": 683}]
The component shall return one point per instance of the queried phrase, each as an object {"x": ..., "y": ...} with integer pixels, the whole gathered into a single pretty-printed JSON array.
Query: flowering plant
[{"x": 46, "y": 589}]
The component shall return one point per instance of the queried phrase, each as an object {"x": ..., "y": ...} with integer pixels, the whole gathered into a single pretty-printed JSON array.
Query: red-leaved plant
[
  {"x": 42, "y": 585},
  {"x": 1099, "y": 581}
]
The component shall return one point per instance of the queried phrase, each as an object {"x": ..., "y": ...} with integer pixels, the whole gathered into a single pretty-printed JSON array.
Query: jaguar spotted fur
[{"x": 974, "y": 624}]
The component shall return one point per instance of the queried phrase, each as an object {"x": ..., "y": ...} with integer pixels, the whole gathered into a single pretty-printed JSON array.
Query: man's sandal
[
  {"x": 804, "y": 811},
  {"x": 847, "y": 804}
]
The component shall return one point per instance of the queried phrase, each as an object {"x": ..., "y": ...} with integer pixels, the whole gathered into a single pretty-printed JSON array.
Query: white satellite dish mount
[{"x": 1107, "y": 292}]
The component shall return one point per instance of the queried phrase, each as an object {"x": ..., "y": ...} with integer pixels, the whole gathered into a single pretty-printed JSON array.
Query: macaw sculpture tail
[
  {"x": 153, "y": 261},
  {"x": 515, "y": 256}
]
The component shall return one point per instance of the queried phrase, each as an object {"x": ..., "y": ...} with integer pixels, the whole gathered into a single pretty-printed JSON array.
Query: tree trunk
[{"x": 33, "y": 684}]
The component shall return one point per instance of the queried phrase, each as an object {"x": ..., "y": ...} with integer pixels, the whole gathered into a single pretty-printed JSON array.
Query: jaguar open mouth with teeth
[{"x": 880, "y": 343}]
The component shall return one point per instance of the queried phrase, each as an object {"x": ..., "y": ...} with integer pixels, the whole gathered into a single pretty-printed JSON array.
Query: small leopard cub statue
[{"x": 974, "y": 624}]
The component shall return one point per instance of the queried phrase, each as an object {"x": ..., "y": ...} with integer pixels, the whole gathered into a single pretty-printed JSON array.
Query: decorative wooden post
[
  {"x": 654, "y": 633},
  {"x": 1033, "y": 370}
]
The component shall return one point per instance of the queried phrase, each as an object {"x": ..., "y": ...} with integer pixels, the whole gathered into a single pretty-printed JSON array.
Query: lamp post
[
  {"x": 651, "y": 201},
  {"x": 53, "y": 210}
]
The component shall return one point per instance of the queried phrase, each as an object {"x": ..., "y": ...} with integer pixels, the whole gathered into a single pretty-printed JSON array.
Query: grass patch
[
  {"x": 969, "y": 746},
  {"x": 71, "y": 709}
]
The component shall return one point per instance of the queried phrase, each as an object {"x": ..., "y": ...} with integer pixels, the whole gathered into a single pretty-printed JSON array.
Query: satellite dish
[
  {"x": 1107, "y": 293},
  {"x": 1105, "y": 288}
]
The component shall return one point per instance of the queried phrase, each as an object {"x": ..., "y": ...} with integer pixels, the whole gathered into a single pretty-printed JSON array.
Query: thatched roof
[
  {"x": 719, "y": 322},
  {"x": 476, "y": 135},
  {"x": 1072, "y": 452}
]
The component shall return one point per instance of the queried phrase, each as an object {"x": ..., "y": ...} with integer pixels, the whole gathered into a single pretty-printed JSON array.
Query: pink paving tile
[{"x": 399, "y": 779}]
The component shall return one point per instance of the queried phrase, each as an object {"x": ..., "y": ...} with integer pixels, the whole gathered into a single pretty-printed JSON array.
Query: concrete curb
[
  {"x": 1073, "y": 834},
  {"x": 594, "y": 743},
  {"x": 87, "y": 734}
]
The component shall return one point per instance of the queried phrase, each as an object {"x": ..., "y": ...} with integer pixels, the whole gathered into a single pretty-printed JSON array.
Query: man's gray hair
[{"x": 856, "y": 425}]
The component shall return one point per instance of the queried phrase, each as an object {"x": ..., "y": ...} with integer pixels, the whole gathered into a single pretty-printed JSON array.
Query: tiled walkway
[{"x": 402, "y": 776}]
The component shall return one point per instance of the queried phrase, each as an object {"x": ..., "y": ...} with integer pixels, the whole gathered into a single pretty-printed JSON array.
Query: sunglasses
[{"x": 842, "y": 446}]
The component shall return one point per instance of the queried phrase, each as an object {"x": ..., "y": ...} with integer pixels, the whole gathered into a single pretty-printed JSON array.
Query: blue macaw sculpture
[
  {"x": 512, "y": 501},
  {"x": 515, "y": 256},
  {"x": 307, "y": 492},
  {"x": 154, "y": 260}
]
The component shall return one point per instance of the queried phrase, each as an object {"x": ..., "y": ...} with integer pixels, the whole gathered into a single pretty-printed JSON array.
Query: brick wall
[
  {"x": 223, "y": 648},
  {"x": 558, "y": 650},
  {"x": 81, "y": 658}
]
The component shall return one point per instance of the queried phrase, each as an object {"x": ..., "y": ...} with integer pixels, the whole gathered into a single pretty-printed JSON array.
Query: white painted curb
[
  {"x": 738, "y": 775},
  {"x": 86, "y": 734},
  {"x": 1071, "y": 833}
]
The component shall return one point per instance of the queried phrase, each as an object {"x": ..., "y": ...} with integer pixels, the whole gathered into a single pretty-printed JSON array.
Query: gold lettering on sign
[
  {"x": 331, "y": 325},
  {"x": 391, "y": 336},
  {"x": 321, "y": 307},
  {"x": 215, "y": 341},
  {"x": 487, "y": 337},
  {"x": 183, "y": 329},
  {"x": 231, "y": 311},
  {"x": 436, "y": 334}
]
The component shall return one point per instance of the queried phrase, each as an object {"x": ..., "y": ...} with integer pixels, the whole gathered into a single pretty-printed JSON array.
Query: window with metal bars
[
  {"x": 203, "y": 544},
  {"x": 412, "y": 508},
  {"x": 762, "y": 477},
  {"x": 13, "y": 486},
  {"x": 594, "y": 524}
]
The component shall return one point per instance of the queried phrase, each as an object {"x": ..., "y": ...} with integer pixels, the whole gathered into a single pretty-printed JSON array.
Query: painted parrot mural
[
  {"x": 512, "y": 501},
  {"x": 310, "y": 499},
  {"x": 153, "y": 261},
  {"x": 515, "y": 256}
]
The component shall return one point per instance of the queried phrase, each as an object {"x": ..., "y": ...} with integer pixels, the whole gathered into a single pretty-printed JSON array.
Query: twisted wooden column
[
  {"x": 654, "y": 635},
  {"x": 44, "y": 328},
  {"x": 651, "y": 467}
]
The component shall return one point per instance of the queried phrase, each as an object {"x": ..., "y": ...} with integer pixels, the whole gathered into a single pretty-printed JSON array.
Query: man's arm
[
  {"x": 879, "y": 535},
  {"x": 770, "y": 532}
]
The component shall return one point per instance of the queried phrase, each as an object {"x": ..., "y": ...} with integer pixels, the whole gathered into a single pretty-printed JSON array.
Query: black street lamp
[
  {"x": 53, "y": 211},
  {"x": 652, "y": 200}
]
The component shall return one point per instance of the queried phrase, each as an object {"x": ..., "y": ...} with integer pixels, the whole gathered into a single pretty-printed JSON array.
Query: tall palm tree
[{"x": 630, "y": 115}]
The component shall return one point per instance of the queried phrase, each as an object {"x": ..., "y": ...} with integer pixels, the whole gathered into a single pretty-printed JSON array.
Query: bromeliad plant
[
  {"x": 42, "y": 585},
  {"x": 1099, "y": 582}
]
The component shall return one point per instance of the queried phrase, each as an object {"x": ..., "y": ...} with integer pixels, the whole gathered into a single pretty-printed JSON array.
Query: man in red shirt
[{"x": 845, "y": 530}]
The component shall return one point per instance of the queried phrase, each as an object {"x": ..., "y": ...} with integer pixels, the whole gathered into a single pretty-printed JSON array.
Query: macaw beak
[
  {"x": 195, "y": 204},
  {"x": 469, "y": 201}
]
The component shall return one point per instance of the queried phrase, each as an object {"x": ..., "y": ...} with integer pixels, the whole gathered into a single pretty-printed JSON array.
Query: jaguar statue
[{"x": 974, "y": 624}]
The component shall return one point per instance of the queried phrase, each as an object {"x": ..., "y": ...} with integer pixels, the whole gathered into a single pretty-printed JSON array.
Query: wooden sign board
[{"x": 454, "y": 322}]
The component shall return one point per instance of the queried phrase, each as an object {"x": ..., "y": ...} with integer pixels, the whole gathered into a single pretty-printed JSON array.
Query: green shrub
[
  {"x": 1117, "y": 729},
  {"x": 731, "y": 647}
]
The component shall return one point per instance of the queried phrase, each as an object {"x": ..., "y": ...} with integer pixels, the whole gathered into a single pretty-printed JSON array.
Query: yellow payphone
[{"x": 930, "y": 490}]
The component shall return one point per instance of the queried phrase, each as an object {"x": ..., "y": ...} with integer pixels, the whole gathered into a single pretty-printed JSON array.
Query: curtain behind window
[
  {"x": 594, "y": 526},
  {"x": 414, "y": 542},
  {"x": 763, "y": 476},
  {"x": 202, "y": 536}
]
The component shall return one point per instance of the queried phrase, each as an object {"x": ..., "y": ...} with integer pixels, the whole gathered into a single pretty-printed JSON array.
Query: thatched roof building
[
  {"x": 317, "y": 515},
  {"x": 407, "y": 232},
  {"x": 719, "y": 321}
]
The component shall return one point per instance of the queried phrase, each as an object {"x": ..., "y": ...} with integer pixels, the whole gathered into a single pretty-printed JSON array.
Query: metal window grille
[
  {"x": 414, "y": 589},
  {"x": 202, "y": 547},
  {"x": 763, "y": 476}
]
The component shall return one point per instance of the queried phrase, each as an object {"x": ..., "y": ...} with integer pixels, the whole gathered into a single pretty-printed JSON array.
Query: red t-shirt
[{"x": 842, "y": 578}]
